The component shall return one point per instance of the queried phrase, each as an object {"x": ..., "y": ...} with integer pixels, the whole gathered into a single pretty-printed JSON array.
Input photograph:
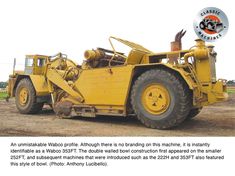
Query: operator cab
[{"x": 35, "y": 64}]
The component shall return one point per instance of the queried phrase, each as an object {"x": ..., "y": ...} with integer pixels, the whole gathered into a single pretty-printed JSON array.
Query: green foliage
[
  {"x": 3, "y": 95},
  {"x": 231, "y": 83},
  {"x": 231, "y": 90}
]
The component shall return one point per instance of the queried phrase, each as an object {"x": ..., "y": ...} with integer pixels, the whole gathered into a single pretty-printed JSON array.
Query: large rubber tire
[
  {"x": 179, "y": 93},
  {"x": 193, "y": 113},
  {"x": 30, "y": 106}
]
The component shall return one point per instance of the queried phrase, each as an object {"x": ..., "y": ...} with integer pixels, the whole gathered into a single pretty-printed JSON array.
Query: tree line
[
  {"x": 231, "y": 83},
  {"x": 3, "y": 84}
]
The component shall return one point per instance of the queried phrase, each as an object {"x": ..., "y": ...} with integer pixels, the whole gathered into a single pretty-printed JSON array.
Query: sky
[{"x": 71, "y": 27}]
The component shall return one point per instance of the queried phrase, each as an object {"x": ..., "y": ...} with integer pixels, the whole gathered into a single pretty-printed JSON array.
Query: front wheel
[
  {"x": 26, "y": 98},
  {"x": 160, "y": 99}
]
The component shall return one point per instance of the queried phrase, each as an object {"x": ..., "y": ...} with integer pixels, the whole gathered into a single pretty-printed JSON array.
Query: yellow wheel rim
[
  {"x": 23, "y": 96},
  {"x": 155, "y": 99}
]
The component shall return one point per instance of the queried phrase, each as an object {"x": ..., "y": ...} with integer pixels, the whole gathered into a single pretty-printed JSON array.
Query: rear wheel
[
  {"x": 26, "y": 98},
  {"x": 160, "y": 99}
]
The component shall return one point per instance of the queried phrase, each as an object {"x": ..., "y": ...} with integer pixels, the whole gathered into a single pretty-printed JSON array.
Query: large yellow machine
[{"x": 160, "y": 89}]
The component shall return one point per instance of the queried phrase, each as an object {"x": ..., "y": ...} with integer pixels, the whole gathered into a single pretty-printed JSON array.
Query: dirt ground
[{"x": 216, "y": 120}]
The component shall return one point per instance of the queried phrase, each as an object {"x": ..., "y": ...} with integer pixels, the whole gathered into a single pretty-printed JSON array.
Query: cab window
[
  {"x": 40, "y": 62},
  {"x": 29, "y": 62}
]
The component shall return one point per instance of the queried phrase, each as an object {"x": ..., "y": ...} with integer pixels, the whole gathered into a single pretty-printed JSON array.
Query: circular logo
[{"x": 211, "y": 24}]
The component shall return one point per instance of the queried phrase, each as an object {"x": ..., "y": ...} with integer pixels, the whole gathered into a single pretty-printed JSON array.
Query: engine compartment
[{"x": 100, "y": 57}]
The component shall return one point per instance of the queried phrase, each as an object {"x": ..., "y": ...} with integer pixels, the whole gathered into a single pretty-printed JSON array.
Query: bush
[
  {"x": 3, "y": 84},
  {"x": 231, "y": 83}
]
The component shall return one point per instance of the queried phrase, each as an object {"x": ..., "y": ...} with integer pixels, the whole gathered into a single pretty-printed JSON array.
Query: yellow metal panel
[
  {"x": 103, "y": 86},
  {"x": 40, "y": 84},
  {"x": 39, "y": 69},
  {"x": 217, "y": 92},
  {"x": 203, "y": 71},
  {"x": 169, "y": 53},
  {"x": 135, "y": 57},
  {"x": 56, "y": 78}
]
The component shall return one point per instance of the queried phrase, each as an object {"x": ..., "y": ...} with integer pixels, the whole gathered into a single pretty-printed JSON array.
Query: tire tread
[{"x": 184, "y": 94}]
